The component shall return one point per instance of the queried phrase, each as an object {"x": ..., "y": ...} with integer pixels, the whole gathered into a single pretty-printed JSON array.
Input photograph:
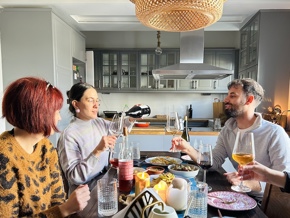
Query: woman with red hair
[{"x": 30, "y": 179}]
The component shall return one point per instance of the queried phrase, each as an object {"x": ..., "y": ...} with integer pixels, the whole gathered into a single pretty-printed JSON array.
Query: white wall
[
  {"x": 2, "y": 121},
  {"x": 161, "y": 103}
]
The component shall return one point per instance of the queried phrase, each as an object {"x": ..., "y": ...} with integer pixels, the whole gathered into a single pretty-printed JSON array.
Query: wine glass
[
  {"x": 243, "y": 153},
  {"x": 204, "y": 160},
  {"x": 116, "y": 129},
  {"x": 173, "y": 124}
]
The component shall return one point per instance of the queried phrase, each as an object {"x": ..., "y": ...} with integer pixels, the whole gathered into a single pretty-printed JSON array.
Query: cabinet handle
[
  {"x": 119, "y": 84},
  {"x": 195, "y": 86},
  {"x": 99, "y": 83},
  {"x": 214, "y": 84},
  {"x": 192, "y": 84}
]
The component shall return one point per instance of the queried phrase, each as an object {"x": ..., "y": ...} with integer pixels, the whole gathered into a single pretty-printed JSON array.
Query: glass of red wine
[{"x": 204, "y": 160}]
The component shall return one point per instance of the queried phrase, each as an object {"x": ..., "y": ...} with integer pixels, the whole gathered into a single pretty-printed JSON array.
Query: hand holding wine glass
[
  {"x": 173, "y": 124},
  {"x": 116, "y": 129},
  {"x": 243, "y": 153},
  {"x": 204, "y": 160}
]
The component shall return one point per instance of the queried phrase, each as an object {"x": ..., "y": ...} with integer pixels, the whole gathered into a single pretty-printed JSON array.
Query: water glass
[
  {"x": 107, "y": 197},
  {"x": 197, "y": 202},
  {"x": 135, "y": 150},
  {"x": 217, "y": 124}
]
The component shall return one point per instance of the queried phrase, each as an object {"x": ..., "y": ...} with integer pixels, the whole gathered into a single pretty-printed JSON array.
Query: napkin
[{"x": 149, "y": 193}]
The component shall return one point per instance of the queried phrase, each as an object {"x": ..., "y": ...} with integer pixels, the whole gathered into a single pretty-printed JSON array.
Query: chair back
[{"x": 275, "y": 203}]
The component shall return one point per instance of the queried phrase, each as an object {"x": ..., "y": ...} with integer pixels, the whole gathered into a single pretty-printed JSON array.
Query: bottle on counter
[
  {"x": 185, "y": 134},
  {"x": 125, "y": 165},
  {"x": 190, "y": 112},
  {"x": 138, "y": 111}
]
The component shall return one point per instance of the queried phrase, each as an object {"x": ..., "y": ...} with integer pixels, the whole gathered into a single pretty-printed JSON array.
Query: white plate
[
  {"x": 172, "y": 160},
  {"x": 187, "y": 158},
  {"x": 243, "y": 201}
]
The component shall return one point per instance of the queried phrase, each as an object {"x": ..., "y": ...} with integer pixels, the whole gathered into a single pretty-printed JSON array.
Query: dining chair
[{"x": 275, "y": 203}]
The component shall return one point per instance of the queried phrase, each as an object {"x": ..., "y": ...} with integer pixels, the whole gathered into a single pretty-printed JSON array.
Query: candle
[
  {"x": 161, "y": 189},
  {"x": 142, "y": 181}
]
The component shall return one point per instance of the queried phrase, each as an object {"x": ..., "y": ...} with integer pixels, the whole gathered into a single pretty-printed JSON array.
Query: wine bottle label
[{"x": 125, "y": 169}]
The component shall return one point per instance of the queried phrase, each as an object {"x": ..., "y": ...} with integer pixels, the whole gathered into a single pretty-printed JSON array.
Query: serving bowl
[
  {"x": 184, "y": 170},
  {"x": 142, "y": 124},
  {"x": 155, "y": 170},
  {"x": 110, "y": 114}
]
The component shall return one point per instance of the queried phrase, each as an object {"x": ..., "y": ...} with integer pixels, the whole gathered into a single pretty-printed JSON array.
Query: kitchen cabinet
[
  {"x": 249, "y": 44},
  {"x": 43, "y": 46},
  {"x": 117, "y": 70},
  {"x": 251, "y": 72},
  {"x": 127, "y": 70},
  {"x": 264, "y": 56}
]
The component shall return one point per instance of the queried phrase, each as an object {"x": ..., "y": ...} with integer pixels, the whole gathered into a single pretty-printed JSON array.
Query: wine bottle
[
  {"x": 125, "y": 165},
  {"x": 140, "y": 111},
  {"x": 185, "y": 134},
  {"x": 190, "y": 112}
]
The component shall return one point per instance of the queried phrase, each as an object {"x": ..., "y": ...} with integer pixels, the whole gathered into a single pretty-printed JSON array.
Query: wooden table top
[{"x": 214, "y": 179}]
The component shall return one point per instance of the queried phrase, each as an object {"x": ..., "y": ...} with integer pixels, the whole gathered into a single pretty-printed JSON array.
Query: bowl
[
  {"x": 155, "y": 170},
  {"x": 142, "y": 124},
  {"x": 184, "y": 170},
  {"x": 110, "y": 114}
]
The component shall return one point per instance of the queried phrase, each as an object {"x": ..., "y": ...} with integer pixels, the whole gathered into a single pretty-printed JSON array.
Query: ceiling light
[
  {"x": 178, "y": 15},
  {"x": 158, "y": 49}
]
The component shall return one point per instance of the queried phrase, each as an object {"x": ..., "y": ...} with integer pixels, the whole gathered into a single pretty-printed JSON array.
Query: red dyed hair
[{"x": 30, "y": 104}]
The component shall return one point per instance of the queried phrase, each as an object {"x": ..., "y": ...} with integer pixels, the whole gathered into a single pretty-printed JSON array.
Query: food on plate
[
  {"x": 166, "y": 177},
  {"x": 154, "y": 170},
  {"x": 163, "y": 160},
  {"x": 184, "y": 167}
]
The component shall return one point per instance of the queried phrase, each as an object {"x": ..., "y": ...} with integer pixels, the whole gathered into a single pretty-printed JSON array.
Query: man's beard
[{"x": 233, "y": 112}]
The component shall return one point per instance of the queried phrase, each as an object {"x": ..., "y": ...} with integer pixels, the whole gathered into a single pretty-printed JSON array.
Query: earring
[{"x": 78, "y": 110}]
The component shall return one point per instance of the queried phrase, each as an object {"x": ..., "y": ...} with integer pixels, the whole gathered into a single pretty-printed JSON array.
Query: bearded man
[{"x": 272, "y": 145}]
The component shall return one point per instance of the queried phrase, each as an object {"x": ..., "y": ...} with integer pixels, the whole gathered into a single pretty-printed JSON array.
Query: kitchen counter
[{"x": 160, "y": 130}]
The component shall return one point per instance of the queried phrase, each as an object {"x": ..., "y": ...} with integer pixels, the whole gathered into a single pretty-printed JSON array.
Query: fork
[{"x": 224, "y": 200}]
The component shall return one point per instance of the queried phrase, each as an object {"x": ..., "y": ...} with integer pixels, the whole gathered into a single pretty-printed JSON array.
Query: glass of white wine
[
  {"x": 173, "y": 124},
  {"x": 243, "y": 153}
]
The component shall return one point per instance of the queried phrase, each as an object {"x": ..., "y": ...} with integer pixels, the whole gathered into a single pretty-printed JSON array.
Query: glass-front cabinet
[
  {"x": 131, "y": 70},
  {"x": 249, "y": 44},
  {"x": 117, "y": 70},
  {"x": 147, "y": 64}
]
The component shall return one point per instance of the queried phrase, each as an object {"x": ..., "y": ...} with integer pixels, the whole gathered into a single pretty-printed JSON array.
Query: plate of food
[
  {"x": 186, "y": 158},
  {"x": 184, "y": 170},
  {"x": 163, "y": 160},
  {"x": 228, "y": 200}
]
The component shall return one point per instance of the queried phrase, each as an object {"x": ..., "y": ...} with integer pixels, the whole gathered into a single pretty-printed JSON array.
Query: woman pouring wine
[{"x": 83, "y": 146}]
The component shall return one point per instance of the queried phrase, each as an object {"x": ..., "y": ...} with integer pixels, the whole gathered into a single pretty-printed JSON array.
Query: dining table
[{"x": 215, "y": 179}]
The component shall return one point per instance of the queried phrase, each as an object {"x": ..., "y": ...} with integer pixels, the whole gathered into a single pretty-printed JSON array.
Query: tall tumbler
[
  {"x": 197, "y": 202},
  {"x": 107, "y": 197}
]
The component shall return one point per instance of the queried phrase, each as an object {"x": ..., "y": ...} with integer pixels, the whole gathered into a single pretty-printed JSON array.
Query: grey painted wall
[{"x": 212, "y": 39}]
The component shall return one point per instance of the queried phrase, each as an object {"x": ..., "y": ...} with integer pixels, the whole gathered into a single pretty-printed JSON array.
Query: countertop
[{"x": 160, "y": 130}]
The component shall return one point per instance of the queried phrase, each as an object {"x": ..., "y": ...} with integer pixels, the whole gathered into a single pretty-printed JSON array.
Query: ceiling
[{"x": 119, "y": 15}]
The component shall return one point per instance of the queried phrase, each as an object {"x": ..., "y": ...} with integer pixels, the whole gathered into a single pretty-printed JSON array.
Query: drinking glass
[
  {"x": 243, "y": 153},
  {"x": 116, "y": 129},
  {"x": 204, "y": 160},
  {"x": 173, "y": 124},
  {"x": 107, "y": 197}
]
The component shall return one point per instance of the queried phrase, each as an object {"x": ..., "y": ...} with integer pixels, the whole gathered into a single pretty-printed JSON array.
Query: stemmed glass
[
  {"x": 204, "y": 160},
  {"x": 173, "y": 124},
  {"x": 116, "y": 129},
  {"x": 243, "y": 153}
]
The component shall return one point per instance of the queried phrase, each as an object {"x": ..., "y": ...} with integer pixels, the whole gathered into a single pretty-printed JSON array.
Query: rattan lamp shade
[{"x": 178, "y": 15}]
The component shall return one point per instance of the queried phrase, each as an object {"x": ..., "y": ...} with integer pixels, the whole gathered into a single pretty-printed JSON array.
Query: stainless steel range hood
[{"x": 191, "y": 61}]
